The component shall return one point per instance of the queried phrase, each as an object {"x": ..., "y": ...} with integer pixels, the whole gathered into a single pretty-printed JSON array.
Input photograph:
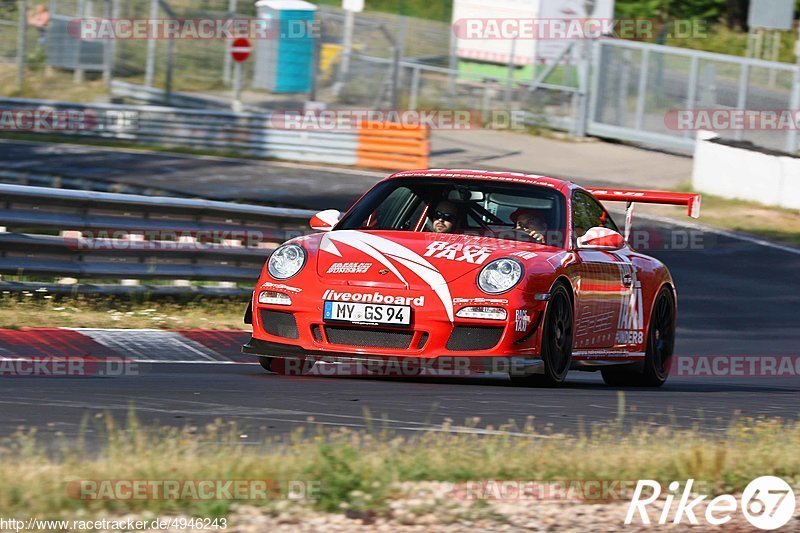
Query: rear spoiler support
[
  {"x": 690, "y": 200},
  {"x": 628, "y": 220}
]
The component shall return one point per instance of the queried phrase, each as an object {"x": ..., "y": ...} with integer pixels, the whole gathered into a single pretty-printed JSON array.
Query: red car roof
[{"x": 456, "y": 173}]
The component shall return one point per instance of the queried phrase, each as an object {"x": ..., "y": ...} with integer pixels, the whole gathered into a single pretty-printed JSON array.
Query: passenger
[{"x": 531, "y": 222}]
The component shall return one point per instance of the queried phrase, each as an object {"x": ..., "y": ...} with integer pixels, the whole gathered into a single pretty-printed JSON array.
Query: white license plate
[{"x": 396, "y": 315}]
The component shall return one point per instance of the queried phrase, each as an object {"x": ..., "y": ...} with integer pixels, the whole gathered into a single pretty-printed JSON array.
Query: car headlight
[
  {"x": 286, "y": 261},
  {"x": 500, "y": 275}
]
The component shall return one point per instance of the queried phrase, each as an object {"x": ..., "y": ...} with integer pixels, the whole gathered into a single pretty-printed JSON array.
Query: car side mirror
[
  {"x": 598, "y": 238},
  {"x": 325, "y": 220}
]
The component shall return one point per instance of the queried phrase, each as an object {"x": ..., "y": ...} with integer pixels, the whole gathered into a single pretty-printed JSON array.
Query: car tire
[
  {"x": 658, "y": 352},
  {"x": 279, "y": 365},
  {"x": 557, "y": 337}
]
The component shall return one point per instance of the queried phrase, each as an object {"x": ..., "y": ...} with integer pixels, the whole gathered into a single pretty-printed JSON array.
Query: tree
[
  {"x": 731, "y": 12},
  {"x": 8, "y": 9},
  {"x": 736, "y": 14}
]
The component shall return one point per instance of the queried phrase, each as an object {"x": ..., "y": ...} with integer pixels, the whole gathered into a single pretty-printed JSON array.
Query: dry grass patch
[
  {"x": 772, "y": 223},
  {"x": 56, "y": 84},
  {"x": 31, "y": 310},
  {"x": 362, "y": 472}
]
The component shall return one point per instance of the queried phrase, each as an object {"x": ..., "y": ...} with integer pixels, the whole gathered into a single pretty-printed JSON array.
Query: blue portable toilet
[{"x": 284, "y": 61}]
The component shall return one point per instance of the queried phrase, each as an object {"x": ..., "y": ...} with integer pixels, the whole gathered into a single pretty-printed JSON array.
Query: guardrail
[
  {"x": 61, "y": 233},
  {"x": 207, "y": 129},
  {"x": 155, "y": 96}
]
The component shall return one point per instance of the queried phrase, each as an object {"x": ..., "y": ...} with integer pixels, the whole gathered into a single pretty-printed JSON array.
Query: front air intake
[
  {"x": 466, "y": 338},
  {"x": 368, "y": 338},
  {"x": 279, "y": 324}
]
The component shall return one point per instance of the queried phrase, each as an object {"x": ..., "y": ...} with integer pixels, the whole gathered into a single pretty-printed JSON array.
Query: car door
[{"x": 605, "y": 280}]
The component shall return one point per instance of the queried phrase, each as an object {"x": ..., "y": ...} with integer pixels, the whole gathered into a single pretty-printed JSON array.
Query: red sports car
[{"x": 494, "y": 271}]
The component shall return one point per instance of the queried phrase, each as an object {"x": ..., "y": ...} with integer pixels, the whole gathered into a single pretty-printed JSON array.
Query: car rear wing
[{"x": 631, "y": 196}]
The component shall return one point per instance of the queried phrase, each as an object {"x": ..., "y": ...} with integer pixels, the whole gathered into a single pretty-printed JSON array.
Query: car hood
[{"x": 411, "y": 260}]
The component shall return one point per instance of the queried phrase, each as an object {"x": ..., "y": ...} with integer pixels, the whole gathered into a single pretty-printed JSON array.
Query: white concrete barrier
[{"x": 742, "y": 174}]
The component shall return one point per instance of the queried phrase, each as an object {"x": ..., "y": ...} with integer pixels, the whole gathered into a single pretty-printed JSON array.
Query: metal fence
[
  {"x": 256, "y": 134},
  {"x": 56, "y": 233},
  {"x": 635, "y": 85}
]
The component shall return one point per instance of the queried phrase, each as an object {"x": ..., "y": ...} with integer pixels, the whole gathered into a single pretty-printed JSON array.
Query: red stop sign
[{"x": 241, "y": 49}]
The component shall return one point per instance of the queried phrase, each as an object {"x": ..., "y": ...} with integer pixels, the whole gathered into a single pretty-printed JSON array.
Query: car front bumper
[{"x": 466, "y": 364}]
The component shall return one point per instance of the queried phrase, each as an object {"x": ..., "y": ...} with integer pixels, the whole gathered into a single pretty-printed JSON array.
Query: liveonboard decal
[
  {"x": 374, "y": 297},
  {"x": 388, "y": 252}
]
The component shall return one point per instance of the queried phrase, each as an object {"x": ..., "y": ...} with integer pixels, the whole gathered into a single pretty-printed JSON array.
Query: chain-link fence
[
  {"x": 191, "y": 65},
  {"x": 188, "y": 64},
  {"x": 627, "y": 91},
  {"x": 392, "y": 55},
  {"x": 185, "y": 64},
  {"x": 382, "y": 44},
  {"x": 10, "y": 38}
]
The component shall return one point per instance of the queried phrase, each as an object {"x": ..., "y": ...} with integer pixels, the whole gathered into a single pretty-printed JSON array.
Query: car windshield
[{"x": 512, "y": 211}]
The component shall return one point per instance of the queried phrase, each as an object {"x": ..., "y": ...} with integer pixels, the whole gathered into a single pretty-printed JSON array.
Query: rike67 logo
[{"x": 767, "y": 502}]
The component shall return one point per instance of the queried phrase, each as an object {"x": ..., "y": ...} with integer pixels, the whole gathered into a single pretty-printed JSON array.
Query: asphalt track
[
  {"x": 192, "y": 176},
  {"x": 736, "y": 297}
]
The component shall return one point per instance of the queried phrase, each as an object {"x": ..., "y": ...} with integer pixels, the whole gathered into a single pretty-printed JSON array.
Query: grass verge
[
  {"x": 83, "y": 311},
  {"x": 772, "y": 223},
  {"x": 361, "y": 471},
  {"x": 57, "y": 85}
]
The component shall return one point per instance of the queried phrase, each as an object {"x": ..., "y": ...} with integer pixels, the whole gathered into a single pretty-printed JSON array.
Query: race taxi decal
[
  {"x": 349, "y": 268},
  {"x": 521, "y": 320},
  {"x": 471, "y": 253},
  {"x": 630, "y": 329},
  {"x": 389, "y": 254}
]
